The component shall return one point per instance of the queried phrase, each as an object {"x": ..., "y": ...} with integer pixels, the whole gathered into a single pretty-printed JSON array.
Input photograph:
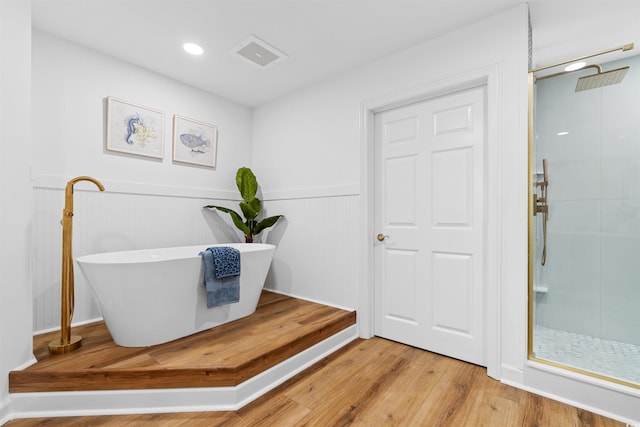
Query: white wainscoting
[
  {"x": 109, "y": 221},
  {"x": 316, "y": 259},
  {"x": 318, "y": 255}
]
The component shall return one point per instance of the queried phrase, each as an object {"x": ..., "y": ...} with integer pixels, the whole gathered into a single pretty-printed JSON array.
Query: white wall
[
  {"x": 318, "y": 244},
  {"x": 314, "y": 137},
  {"x": 15, "y": 191},
  {"x": 147, "y": 202},
  {"x": 563, "y": 30},
  {"x": 307, "y": 157},
  {"x": 70, "y": 84}
]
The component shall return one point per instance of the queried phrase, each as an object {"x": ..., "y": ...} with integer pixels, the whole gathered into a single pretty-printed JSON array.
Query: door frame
[{"x": 488, "y": 77}]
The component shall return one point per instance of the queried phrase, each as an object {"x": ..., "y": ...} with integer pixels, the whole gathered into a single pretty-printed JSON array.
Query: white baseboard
[
  {"x": 591, "y": 394},
  {"x": 73, "y": 325},
  {"x": 26, "y": 364},
  {"x": 511, "y": 374},
  {"x": 5, "y": 411},
  {"x": 116, "y": 402},
  {"x": 315, "y": 301}
]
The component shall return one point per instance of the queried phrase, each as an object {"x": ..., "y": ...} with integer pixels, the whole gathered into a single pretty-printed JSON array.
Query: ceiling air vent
[{"x": 258, "y": 52}]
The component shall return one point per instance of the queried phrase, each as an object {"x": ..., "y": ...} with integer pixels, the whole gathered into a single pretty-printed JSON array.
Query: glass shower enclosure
[{"x": 584, "y": 220}]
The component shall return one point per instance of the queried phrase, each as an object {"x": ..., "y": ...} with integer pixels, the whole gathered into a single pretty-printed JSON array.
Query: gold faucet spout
[
  {"x": 67, "y": 342},
  {"x": 85, "y": 178}
]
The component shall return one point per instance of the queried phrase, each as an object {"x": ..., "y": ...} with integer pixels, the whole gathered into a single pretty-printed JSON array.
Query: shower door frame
[{"x": 531, "y": 222}]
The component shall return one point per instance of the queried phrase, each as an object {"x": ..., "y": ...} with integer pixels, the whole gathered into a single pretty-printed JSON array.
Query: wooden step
[{"x": 226, "y": 355}]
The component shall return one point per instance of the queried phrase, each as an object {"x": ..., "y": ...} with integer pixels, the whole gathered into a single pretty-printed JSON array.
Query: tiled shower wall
[{"x": 593, "y": 252}]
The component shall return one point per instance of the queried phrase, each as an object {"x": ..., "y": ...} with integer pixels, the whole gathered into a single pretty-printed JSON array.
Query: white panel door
[{"x": 429, "y": 181}]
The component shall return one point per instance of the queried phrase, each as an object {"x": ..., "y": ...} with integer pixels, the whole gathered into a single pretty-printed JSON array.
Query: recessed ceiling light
[
  {"x": 562, "y": 133},
  {"x": 575, "y": 66},
  {"x": 193, "y": 49}
]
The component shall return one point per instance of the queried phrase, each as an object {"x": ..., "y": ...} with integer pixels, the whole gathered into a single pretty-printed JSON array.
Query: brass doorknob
[{"x": 381, "y": 237}]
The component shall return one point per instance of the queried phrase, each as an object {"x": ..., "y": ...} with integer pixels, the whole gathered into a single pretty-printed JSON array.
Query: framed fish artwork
[
  {"x": 134, "y": 129},
  {"x": 194, "y": 141}
]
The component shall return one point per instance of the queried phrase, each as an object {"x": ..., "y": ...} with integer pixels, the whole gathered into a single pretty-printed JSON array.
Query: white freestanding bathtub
[{"x": 153, "y": 296}]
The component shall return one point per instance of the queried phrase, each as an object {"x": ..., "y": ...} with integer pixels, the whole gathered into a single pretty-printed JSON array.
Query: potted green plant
[{"x": 251, "y": 207}]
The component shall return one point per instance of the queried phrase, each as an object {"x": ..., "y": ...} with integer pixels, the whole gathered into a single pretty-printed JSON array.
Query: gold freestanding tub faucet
[{"x": 67, "y": 342}]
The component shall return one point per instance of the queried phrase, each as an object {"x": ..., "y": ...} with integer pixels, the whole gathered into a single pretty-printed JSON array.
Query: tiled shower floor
[{"x": 611, "y": 358}]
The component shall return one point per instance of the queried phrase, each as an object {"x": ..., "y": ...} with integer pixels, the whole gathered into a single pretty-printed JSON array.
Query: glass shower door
[{"x": 585, "y": 234}]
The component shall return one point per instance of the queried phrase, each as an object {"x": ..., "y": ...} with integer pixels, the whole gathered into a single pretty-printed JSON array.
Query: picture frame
[
  {"x": 134, "y": 129},
  {"x": 194, "y": 142}
]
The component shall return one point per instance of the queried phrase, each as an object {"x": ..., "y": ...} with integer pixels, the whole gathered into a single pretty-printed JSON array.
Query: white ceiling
[{"x": 320, "y": 37}]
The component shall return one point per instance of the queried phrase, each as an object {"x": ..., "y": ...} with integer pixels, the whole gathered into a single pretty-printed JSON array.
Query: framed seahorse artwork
[
  {"x": 134, "y": 129},
  {"x": 194, "y": 141}
]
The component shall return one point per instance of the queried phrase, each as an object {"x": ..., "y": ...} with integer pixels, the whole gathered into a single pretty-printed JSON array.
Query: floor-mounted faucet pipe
[{"x": 67, "y": 342}]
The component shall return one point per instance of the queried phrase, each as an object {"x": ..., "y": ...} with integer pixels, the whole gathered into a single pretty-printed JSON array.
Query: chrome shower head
[{"x": 601, "y": 79}]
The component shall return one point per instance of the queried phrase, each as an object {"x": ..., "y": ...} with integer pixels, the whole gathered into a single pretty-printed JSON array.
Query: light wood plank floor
[
  {"x": 375, "y": 382},
  {"x": 226, "y": 355}
]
